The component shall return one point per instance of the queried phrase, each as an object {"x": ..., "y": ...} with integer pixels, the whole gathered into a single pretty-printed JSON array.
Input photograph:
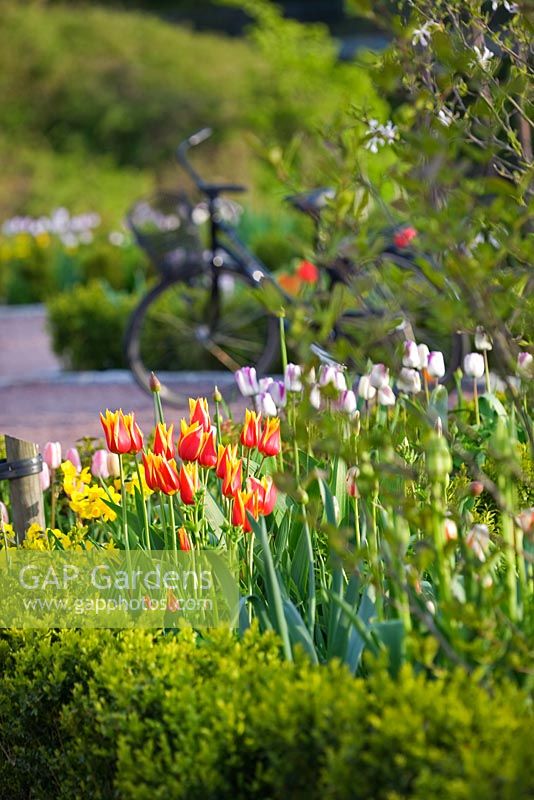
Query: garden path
[{"x": 40, "y": 402}]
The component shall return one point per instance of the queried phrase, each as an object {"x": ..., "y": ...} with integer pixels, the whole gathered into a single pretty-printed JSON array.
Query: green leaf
[
  {"x": 391, "y": 634},
  {"x": 272, "y": 587}
]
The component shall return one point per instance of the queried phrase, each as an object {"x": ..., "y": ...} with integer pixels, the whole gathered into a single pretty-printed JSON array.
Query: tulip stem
[
  {"x": 163, "y": 520},
  {"x": 357, "y": 531},
  {"x": 145, "y": 512},
  {"x": 124, "y": 515},
  {"x": 173, "y": 525},
  {"x": 283, "y": 348},
  {"x": 54, "y": 498},
  {"x": 487, "y": 372},
  {"x": 475, "y": 398}
]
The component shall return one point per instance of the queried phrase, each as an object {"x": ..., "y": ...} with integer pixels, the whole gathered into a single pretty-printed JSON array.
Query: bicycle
[{"x": 206, "y": 307}]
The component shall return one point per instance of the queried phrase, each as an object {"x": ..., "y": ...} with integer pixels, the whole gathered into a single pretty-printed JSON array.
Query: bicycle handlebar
[{"x": 212, "y": 190}]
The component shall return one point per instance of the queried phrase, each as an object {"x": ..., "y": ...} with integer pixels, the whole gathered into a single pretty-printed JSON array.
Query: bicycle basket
[{"x": 163, "y": 227}]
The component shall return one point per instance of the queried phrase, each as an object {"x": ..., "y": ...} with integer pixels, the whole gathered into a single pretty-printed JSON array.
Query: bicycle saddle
[
  {"x": 213, "y": 189},
  {"x": 311, "y": 202}
]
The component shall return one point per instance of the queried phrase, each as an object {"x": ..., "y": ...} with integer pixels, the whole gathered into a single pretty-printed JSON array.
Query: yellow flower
[
  {"x": 89, "y": 503},
  {"x": 72, "y": 480},
  {"x": 36, "y": 538},
  {"x": 7, "y": 533}
]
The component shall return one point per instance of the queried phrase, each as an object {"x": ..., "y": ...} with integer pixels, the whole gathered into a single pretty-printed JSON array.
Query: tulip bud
[
  {"x": 52, "y": 455},
  {"x": 386, "y": 396},
  {"x": 155, "y": 385},
  {"x": 409, "y": 381},
  {"x": 277, "y": 390},
  {"x": 476, "y": 488},
  {"x": 438, "y": 458},
  {"x": 99, "y": 464},
  {"x": 350, "y": 482},
  {"x": 365, "y": 390},
  {"x": 44, "y": 477},
  {"x": 4, "y": 516},
  {"x": 404, "y": 236},
  {"x": 265, "y": 405},
  {"x": 478, "y": 540},
  {"x": 315, "y": 397},
  {"x": 423, "y": 351},
  {"x": 293, "y": 378},
  {"x": 525, "y": 520},
  {"x": 333, "y": 374},
  {"x": 436, "y": 364},
  {"x": 73, "y": 456},
  {"x": 451, "y": 531},
  {"x": 346, "y": 402},
  {"x": 482, "y": 340},
  {"x": 302, "y": 496},
  {"x": 264, "y": 384},
  {"x": 525, "y": 364},
  {"x": 411, "y": 355},
  {"x": 113, "y": 465},
  {"x": 247, "y": 381},
  {"x": 379, "y": 376},
  {"x": 474, "y": 365},
  {"x": 438, "y": 426},
  {"x": 217, "y": 396}
]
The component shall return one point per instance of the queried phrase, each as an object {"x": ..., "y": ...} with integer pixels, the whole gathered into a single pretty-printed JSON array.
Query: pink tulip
[
  {"x": 4, "y": 516},
  {"x": 44, "y": 477},
  {"x": 379, "y": 376},
  {"x": 113, "y": 465},
  {"x": 73, "y": 456},
  {"x": 99, "y": 464},
  {"x": 411, "y": 355},
  {"x": 247, "y": 381},
  {"x": 386, "y": 396},
  {"x": 52, "y": 455}
]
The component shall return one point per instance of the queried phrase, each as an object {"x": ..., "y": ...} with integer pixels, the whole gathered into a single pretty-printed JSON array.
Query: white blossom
[{"x": 484, "y": 56}]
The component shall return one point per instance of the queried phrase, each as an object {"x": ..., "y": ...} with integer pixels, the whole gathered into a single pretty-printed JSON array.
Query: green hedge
[
  {"x": 96, "y": 714},
  {"x": 87, "y": 326}
]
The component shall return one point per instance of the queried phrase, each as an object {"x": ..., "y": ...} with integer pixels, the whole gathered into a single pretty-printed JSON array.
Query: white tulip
[
  {"x": 436, "y": 364},
  {"x": 474, "y": 365},
  {"x": 409, "y": 381}
]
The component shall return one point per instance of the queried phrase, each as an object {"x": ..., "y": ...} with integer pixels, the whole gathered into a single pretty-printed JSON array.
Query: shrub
[
  {"x": 131, "y": 715},
  {"x": 87, "y": 325}
]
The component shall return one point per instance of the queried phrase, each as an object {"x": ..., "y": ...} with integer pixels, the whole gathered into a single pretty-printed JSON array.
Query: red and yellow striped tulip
[
  {"x": 244, "y": 501},
  {"x": 224, "y": 455},
  {"x": 250, "y": 434},
  {"x": 189, "y": 483},
  {"x": 233, "y": 477},
  {"x": 207, "y": 456},
  {"x": 199, "y": 412},
  {"x": 190, "y": 440},
  {"x": 266, "y": 491},
  {"x": 161, "y": 475},
  {"x": 270, "y": 443},
  {"x": 163, "y": 443},
  {"x": 122, "y": 433}
]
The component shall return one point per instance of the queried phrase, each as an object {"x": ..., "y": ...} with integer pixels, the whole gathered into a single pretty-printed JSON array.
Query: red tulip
[
  {"x": 160, "y": 474},
  {"x": 403, "y": 237},
  {"x": 308, "y": 272},
  {"x": 163, "y": 444},
  {"x": 122, "y": 433},
  {"x": 243, "y": 502},
  {"x": 266, "y": 491},
  {"x": 207, "y": 456},
  {"x": 199, "y": 412},
  {"x": 233, "y": 477},
  {"x": 188, "y": 483},
  {"x": 183, "y": 539},
  {"x": 190, "y": 440},
  {"x": 270, "y": 443},
  {"x": 250, "y": 435},
  {"x": 224, "y": 454}
]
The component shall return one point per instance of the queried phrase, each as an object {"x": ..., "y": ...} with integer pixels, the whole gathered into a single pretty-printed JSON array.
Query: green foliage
[
  {"x": 136, "y": 716},
  {"x": 87, "y": 325}
]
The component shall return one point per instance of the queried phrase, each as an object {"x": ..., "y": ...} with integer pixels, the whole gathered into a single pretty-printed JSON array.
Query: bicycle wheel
[
  {"x": 394, "y": 307},
  {"x": 207, "y": 323}
]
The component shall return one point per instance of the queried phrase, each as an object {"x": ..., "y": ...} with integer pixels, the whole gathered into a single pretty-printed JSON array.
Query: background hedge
[{"x": 97, "y": 714}]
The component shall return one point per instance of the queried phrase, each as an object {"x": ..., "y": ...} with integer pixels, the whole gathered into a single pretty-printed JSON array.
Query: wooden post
[{"x": 26, "y": 494}]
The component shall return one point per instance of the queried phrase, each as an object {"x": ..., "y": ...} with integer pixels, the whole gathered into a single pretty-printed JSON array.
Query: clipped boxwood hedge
[{"x": 97, "y": 714}]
